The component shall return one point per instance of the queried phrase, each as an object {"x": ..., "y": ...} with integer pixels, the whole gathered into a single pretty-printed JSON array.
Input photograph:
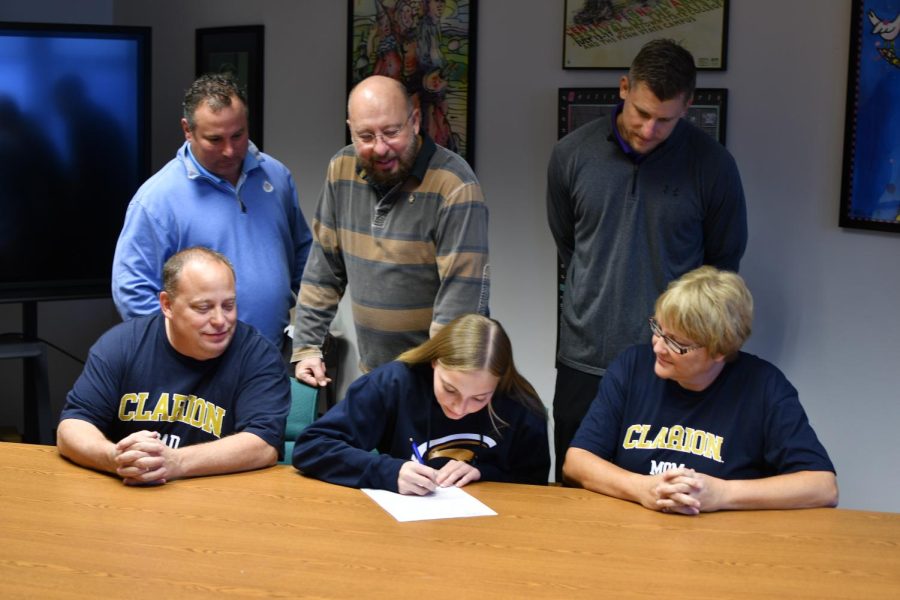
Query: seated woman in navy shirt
[
  {"x": 449, "y": 412},
  {"x": 691, "y": 424}
]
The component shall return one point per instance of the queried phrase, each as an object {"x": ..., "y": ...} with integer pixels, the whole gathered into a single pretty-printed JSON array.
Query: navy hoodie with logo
[{"x": 386, "y": 408}]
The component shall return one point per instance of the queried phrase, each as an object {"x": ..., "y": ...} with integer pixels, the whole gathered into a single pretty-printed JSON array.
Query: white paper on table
[{"x": 444, "y": 503}]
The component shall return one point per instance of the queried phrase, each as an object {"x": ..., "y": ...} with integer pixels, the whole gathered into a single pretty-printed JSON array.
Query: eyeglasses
[
  {"x": 388, "y": 136},
  {"x": 672, "y": 344}
]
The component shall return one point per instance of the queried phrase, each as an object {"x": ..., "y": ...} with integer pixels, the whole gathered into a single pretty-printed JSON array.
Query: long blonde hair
[{"x": 474, "y": 342}]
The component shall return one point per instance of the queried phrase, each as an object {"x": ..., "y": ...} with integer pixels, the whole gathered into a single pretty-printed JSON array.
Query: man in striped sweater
[{"x": 403, "y": 223}]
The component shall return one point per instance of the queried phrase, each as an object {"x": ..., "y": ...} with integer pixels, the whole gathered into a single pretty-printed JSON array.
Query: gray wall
[{"x": 826, "y": 298}]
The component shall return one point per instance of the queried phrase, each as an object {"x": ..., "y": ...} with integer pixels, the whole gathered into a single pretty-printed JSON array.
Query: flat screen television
[{"x": 74, "y": 147}]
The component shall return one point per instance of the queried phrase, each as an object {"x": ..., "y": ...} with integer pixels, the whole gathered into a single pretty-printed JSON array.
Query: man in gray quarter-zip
[{"x": 634, "y": 200}]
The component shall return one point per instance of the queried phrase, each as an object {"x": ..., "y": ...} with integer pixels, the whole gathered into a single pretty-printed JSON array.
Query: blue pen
[{"x": 416, "y": 452}]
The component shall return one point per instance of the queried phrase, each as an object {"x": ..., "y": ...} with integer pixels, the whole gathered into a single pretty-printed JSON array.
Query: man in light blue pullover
[{"x": 221, "y": 192}]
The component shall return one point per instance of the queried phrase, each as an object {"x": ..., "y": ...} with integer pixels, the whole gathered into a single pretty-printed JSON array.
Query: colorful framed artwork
[
  {"x": 870, "y": 189},
  {"x": 428, "y": 45},
  {"x": 239, "y": 51},
  {"x": 607, "y": 34}
]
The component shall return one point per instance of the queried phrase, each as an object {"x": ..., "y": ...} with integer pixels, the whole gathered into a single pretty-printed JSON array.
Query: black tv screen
[{"x": 74, "y": 147}]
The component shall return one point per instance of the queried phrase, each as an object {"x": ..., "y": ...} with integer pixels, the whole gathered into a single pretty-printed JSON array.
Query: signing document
[{"x": 444, "y": 503}]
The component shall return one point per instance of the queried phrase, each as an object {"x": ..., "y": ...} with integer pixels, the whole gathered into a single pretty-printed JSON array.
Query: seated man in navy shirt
[
  {"x": 691, "y": 424},
  {"x": 187, "y": 391}
]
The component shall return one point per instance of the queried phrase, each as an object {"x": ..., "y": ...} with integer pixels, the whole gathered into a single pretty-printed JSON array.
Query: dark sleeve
[
  {"x": 560, "y": 207},
  {"x": 94, "y": 397},
  {"x": 529, "y": 454},
  {"x": 725, "y": 222},
  {"x": 791, "y": 444},
  {"x": 264, "y": 398},
  {"x": 337, "y": 448},
  {"x": 599, "y": 430}
]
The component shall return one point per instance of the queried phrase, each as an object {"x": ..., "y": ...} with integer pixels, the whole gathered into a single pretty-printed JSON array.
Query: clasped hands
[
  {"x": 684, "y": 491},
  {"x": 418, "y": 479},
  {"x": 142, "y": 458}
]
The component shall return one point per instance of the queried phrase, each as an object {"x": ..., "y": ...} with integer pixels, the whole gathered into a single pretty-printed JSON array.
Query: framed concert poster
[
  {"x": 607, "y": 34},
  {"x": 239, "y": 51},
  {"x": 870, "y": 189},
  {"x": 428, "y": 45}
]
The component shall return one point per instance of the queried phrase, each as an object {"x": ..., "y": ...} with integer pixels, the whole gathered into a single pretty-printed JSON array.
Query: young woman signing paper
[{"x": 449, "y": 412}]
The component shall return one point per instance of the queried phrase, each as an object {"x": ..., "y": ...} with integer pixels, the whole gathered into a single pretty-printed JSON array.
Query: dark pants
[{"x": 575, "y": 390}]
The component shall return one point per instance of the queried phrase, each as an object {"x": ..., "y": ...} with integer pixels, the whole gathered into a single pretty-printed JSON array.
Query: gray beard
[{"x": 388, "y": 180}]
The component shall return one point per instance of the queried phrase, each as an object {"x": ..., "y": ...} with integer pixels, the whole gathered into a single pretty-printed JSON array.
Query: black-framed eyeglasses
[
  {"x": 674, "y": 346},
  {"x": 388, "y": 136}
]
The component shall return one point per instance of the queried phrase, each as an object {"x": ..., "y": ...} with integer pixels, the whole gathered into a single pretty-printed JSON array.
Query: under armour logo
[{"x": 670, "y": 190}]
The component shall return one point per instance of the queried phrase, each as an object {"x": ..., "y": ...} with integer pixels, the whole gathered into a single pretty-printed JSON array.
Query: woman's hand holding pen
[{"x": 416, "y": 479}]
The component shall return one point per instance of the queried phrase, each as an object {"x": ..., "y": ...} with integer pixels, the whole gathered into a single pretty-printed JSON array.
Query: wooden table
[{"x": 67, "y": 532}]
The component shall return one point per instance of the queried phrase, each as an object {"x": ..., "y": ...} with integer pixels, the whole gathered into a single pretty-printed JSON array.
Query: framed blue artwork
[{"x": 870, "y": 190}]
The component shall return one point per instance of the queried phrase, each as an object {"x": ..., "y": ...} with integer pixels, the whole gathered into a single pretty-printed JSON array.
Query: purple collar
[{"x": 632, "y": 154}]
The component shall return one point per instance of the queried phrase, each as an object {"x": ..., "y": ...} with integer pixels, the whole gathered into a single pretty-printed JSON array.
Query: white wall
[{"x": 826, "y": 298}]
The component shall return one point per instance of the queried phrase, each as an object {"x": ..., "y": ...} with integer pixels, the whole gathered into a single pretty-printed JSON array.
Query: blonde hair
[
  {"x": 711, "y": 307},
  {"x": 474, "y": 342}
]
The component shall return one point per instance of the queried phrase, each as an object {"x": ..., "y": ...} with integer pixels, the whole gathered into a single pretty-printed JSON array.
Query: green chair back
[{"x": 304, "y": 403}]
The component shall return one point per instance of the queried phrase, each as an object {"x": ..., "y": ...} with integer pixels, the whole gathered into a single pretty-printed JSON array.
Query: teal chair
[{"x": 304, "y": 403}]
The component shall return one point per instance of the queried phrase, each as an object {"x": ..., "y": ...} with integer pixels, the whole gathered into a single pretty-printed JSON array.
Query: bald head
[
  {"x": 384, "y": 127},
  {"x": 378, "y": 94}
]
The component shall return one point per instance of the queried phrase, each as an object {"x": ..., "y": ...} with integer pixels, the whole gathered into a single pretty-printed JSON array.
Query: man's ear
[
  {"x": 186, "y": 128},
  {"x": 687, "y": 105},
  {"x": 165, "y": 304},
  {"x": 416, "y": 121},
  {"x": 623, "y": 86}
]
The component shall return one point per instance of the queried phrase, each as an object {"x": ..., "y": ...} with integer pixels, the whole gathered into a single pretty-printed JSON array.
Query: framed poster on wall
[
  {"x": 239, "y": 51},
  {"x": 607, "y": 34},
  {"x": 870, "y": 188},
  {"x": 430, "y": 47}
]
